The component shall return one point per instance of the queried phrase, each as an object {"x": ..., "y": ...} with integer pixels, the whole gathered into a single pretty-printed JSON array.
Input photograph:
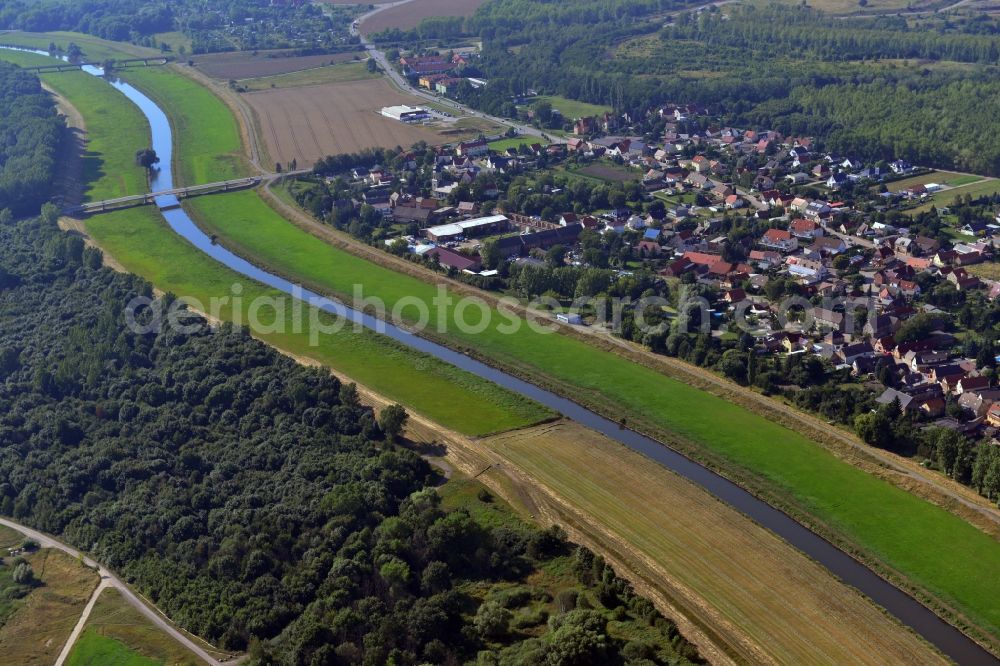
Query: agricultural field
[
  {"x": 143, "y": 244},
  {"x": 883, "y": 520},
  {"x": 409, "y": 15},
  {"x": 767, "y": 601},
  {"x": 571, "y": 108},
  {"x": 245, "y": 65},
  {"x": 205, "y": 131},
  {"x": 313, "y": 122},
  {"x": 38, "y": 629},
  {"x": 948, "y": 178},
  {"x": 340, "y": 73},
  {"x": 116, "y": 633}
]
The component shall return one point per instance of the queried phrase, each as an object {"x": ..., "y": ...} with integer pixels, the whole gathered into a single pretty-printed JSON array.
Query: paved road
[{"x": 109, "y": 579}]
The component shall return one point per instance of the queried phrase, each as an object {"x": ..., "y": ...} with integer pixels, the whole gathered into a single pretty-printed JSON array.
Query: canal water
[{"x": 910, "y": 612}]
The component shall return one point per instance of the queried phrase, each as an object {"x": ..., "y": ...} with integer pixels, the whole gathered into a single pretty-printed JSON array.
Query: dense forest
[
  {"x": 219, "y": 25},
  {"x": 259, "y": 503},
  {"x": 30, "y": 134}
]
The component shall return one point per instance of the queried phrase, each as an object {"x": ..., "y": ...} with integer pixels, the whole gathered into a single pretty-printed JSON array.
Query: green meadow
[
  {"x": 515, "y": 142},
  {"x": 927, "y": 544},
  {"x": 571, "y": 108},
  {"x": 93, "y": 649}
]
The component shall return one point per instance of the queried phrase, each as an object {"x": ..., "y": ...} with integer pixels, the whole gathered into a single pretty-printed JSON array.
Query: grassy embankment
[
  {"x": 207, "y": 137},
  {"x": 929, "y": 546},
  {"x": 116, "y": 633},
  {"x": 142, "y": 242}
]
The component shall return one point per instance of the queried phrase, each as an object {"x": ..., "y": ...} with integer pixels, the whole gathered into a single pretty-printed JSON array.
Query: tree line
[{"x": 30, "y": 136}]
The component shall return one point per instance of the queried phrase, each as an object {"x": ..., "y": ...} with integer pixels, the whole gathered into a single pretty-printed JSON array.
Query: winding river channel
[{"x": 909, "y": 611}]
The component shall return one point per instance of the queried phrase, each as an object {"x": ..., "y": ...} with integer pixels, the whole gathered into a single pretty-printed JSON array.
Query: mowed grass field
[
  {"x": 115, "y": 130},
  {"x": 143, "y": 244},
  {"x": 928, "y": 545},
  {"x": 571, "y": 108},
  {"x": 38, "y": 629},
  {"x": 516, "y": 142},
  {"x": 315, "y": 121},
  {"x": 411, "y": 14},
  {"x": 205, "y": 132},
  {"x": 940, "y": 177},
  {"x": 116, "y": 633},
  {"x": 93, "y": 649},
  {"x": 757, "y": 592}
]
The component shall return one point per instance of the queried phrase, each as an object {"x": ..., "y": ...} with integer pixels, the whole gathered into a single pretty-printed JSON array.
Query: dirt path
[
  {"x": 902, "y": 472},
  {"x": 78, "y": 629}
]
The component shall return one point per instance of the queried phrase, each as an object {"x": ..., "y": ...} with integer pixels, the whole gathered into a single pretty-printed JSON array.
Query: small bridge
[
  {"x": 108, "y": 205},
  {"x": 118, "y": 64}
]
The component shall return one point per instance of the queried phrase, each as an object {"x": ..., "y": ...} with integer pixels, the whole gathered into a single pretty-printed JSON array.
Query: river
[{"x": 909, "y": 611}]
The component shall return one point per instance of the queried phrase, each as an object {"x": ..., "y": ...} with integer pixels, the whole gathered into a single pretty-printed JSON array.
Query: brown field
[
  {"x": 754, "y": 596},
  {"x": 314, "y": 121},
  {"x": 244, "y": 65},
  {"x": 408, "y": 15},
  {"x": 37, "y": 631}
]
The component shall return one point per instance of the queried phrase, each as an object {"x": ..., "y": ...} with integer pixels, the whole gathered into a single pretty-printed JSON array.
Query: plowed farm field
[
  {"x": 315, "y": 121},
  {"x": 408, "y": 15}
]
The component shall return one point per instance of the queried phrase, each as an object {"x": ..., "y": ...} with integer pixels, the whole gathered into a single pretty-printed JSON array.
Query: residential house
[{"x": 779, "y": 239}]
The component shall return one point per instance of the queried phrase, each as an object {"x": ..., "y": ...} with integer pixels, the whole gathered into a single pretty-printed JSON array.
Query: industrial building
[
  {"x": 475, "y": 227},
  {"x": 406, "y": 114}
]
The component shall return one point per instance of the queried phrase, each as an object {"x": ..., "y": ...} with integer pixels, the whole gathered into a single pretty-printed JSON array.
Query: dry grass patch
[
  {"x": 37, "y": 631},
  {"x": 764, "y": 600}
]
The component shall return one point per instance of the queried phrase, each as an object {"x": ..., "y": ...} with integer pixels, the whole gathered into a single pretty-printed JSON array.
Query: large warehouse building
[
  {"x": 475, "y": 227},
  {"x": 406, "y": 114}
]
